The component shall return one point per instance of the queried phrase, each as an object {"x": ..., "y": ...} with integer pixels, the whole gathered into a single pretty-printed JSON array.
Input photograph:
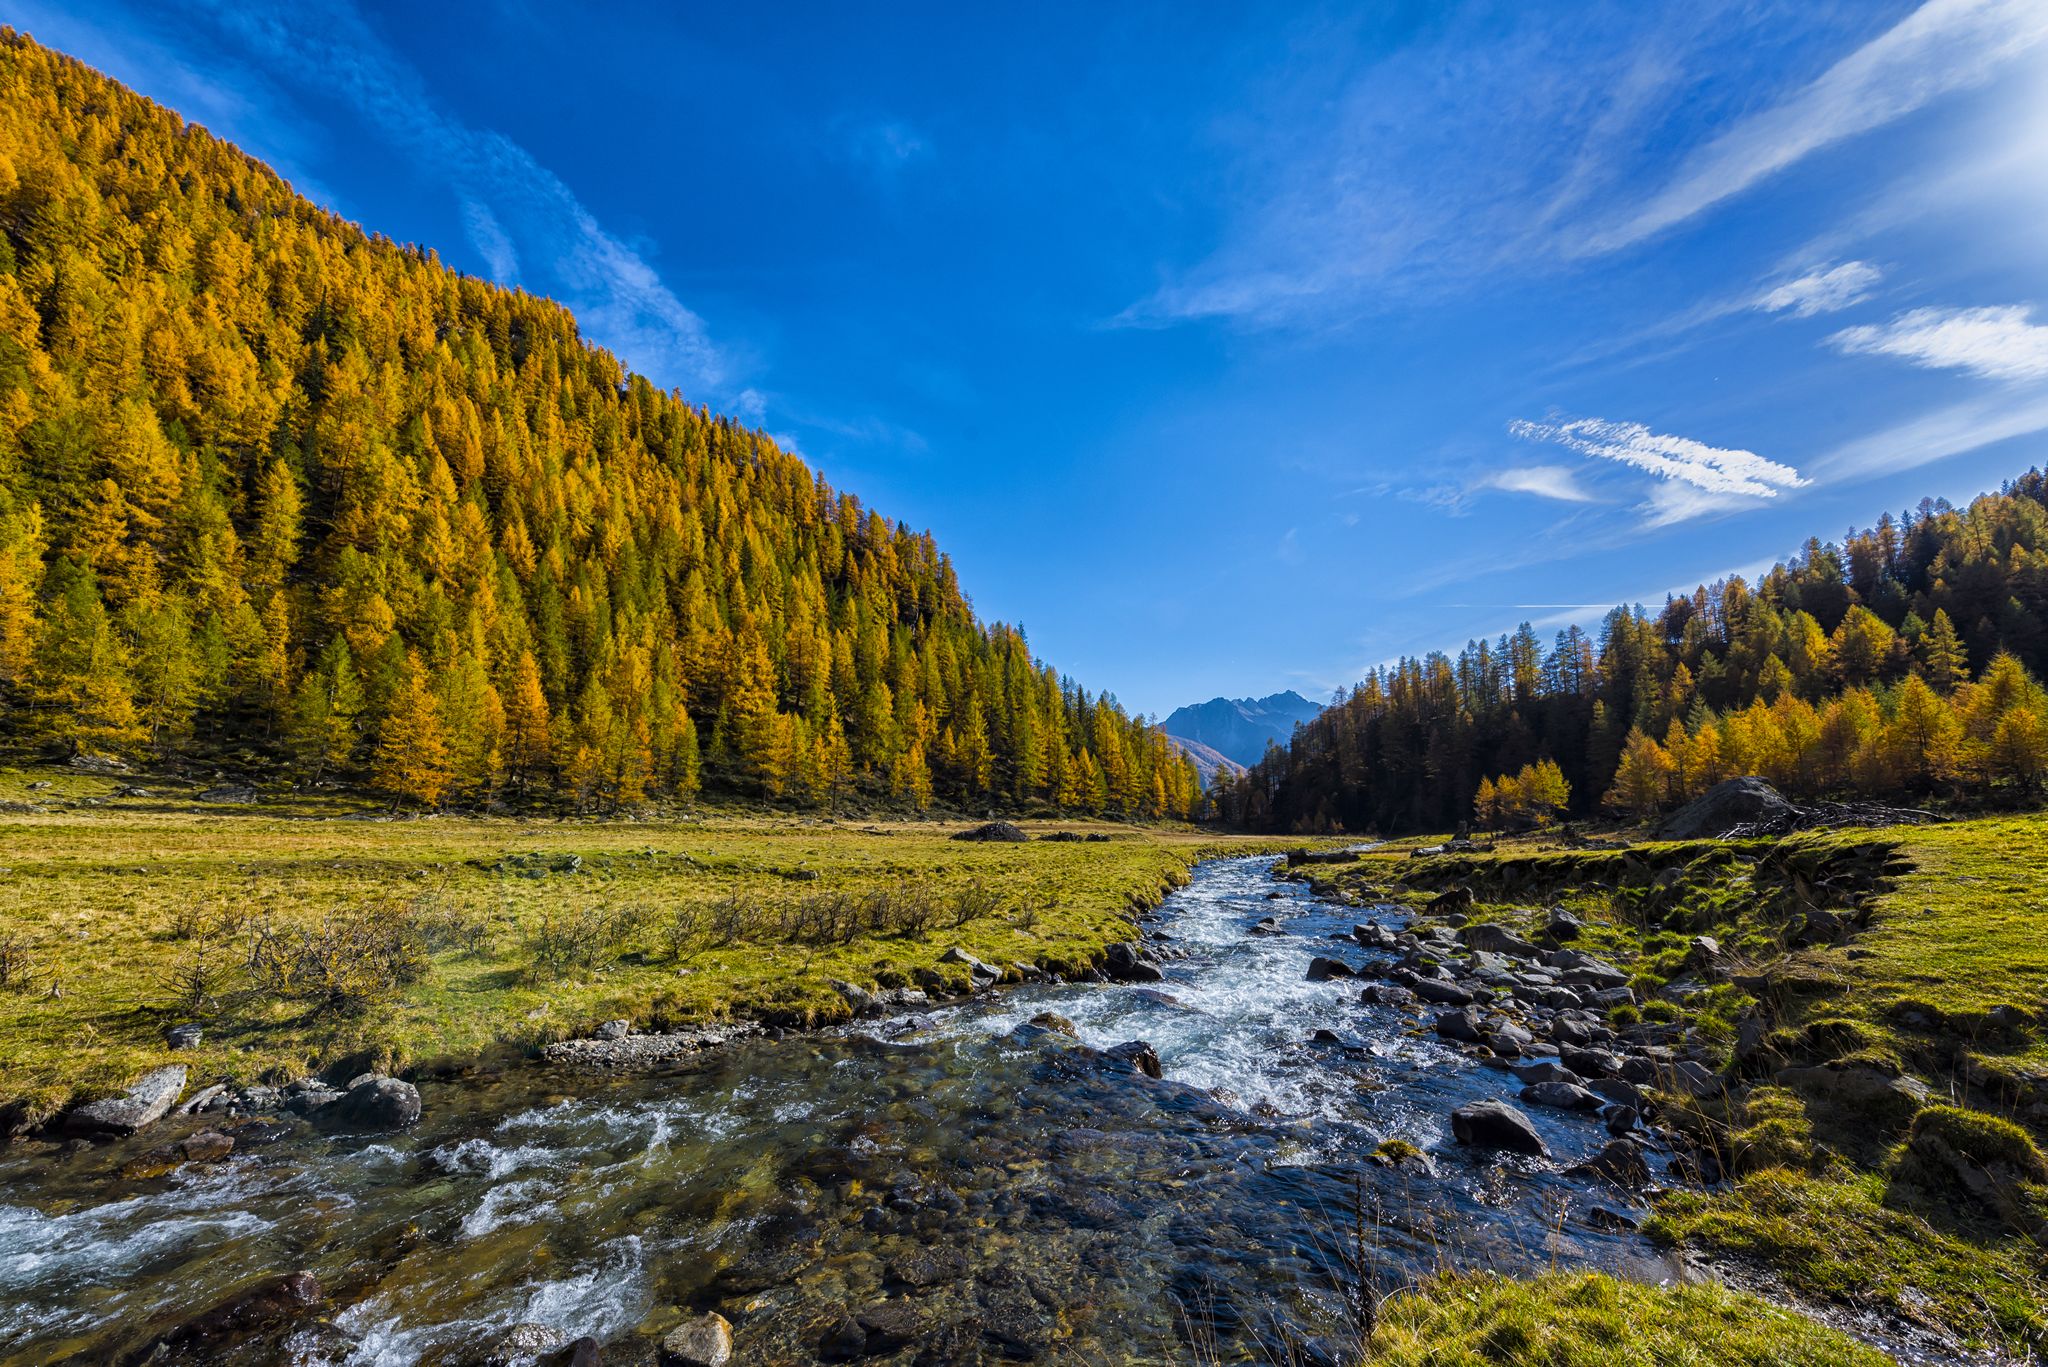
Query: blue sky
[{"x": 1234, "y": 348}]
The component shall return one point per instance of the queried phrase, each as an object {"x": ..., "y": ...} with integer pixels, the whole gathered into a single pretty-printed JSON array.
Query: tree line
[
  {"x": 273, "y": 489},
  {"x": 1903, "y": 662}
]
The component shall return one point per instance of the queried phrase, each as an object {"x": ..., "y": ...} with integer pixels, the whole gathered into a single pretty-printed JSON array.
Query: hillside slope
[
  {"x": 1900, "y": 664},
  {"x": 272, "y": 487}
]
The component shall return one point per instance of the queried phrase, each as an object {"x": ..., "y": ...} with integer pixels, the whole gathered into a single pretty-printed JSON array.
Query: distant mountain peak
[{"x": 1239, "y": 729}]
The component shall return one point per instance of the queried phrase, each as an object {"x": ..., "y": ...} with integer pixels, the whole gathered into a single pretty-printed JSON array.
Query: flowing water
[{"x": 1031, "y": 1200}]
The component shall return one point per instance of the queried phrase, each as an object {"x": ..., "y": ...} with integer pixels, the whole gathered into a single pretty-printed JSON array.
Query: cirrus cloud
[
  {"x": 2001, "y": 343},
  {"x": 1698, "y": 478},
  {"x": 1821, "y": 290}
]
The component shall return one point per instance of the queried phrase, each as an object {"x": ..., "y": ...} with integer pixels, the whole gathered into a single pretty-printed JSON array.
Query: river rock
[
  {"x": 144, "y": 1104},
  {"x": 1562, "y": 925},
  {"x": 976, "y": 969},
  {"x": 1507, "y": 1039},
  {"x": 522, "y": 1343},
  {"x": 1590, "y": 1062},
  {"x": 1450, "y": 900},
  {"x": 258, "y": 1307},
  {"x": 1617, "y": 1090},
  {"x": 615, "y": 1029},
  {"x": 1125, "y": 962},
  {"x": 382, "y": 1103},
  {"x": 1321, "y": 969},
  {"x": 1462, "y": 1025},
  {"x": 1561, "y": 1096},
  {"x": 1496, "y": 940},
  {"x": 1566, "y": 1030},
  {"x": 1577, "y": 966},
  {"x": 647, "y": 1051},
  {"x": 1619, "y": 1161},
  {"x": 1266, "y": 925},
  {"x": 705, "y": 1341},
  {"x": 858, "y": 999},
  {"x": 1440, "y": 993},
  {"x": 890, "y": 1326},
  {"x": 843, "y": 1340},
  {"x": 1495, "y": 1125},
  {"x": 1139, "y": 1054},
  {"x": 583, "y": 1352},
  {"x": 1056, "y": 1023},
  {"x": 1690, "y": 1078},
  {"x": 927, "y": 1266},
  {"x": 1546, "y": 1071},
  {"x": 306, "y": 1096},
  {"x": 1386, "y": 994}
]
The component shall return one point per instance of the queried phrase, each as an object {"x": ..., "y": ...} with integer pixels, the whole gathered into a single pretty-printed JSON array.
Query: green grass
[
  {"x": 103, "y": 901},
  {"x": 1835, "y": 1202},
  {"x": 1835, "y": 1238},
  {"x": 1589, "y": 1320}
]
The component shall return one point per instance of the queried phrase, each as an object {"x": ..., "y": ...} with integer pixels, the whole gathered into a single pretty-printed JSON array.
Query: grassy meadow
[{"x": 302, "y": 931}]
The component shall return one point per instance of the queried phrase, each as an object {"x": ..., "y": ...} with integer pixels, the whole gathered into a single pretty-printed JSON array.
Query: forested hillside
[
  {"x": 274, "y": 488},
  {"x": 1901, "y": 663}
]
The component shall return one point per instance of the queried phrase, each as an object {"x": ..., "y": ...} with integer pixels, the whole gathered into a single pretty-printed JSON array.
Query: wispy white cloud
[
  {"x": 491, "y": 241},
  {"x": 1397, "y": 183},
  {"x": 1826, "y": 289},
  {"x": 1953, "y": 430},
  {"x": 1544, "y": 481},
  {"x": 515, "y": 209},
  {"x": 1723, "y": 475},
  {"x": 1998, "y": 343},
  {"x": 1943, "y": 46}
]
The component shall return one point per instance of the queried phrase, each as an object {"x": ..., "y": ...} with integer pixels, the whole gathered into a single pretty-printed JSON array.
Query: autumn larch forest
[
  {"x": 275, "y": 490},
  {"x": 1902, "y": 663}
]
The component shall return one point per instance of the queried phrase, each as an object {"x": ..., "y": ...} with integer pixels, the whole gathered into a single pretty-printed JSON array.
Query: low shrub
[{"x": 346, "y": 961}]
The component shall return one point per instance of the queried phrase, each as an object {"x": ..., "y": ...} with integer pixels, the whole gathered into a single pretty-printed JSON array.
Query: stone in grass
[
  {"x": 1495, "y": 1125},
  {"x": 1001, "y": 832},
  {"x": 705, "y": 1341}
]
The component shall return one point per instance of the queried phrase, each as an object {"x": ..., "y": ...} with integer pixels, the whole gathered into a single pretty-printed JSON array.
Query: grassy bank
[
  {"x": 1879, "y": 1009},
  {"x": 1589, "y": 1320},
  {"x": 299, "y": 932}
]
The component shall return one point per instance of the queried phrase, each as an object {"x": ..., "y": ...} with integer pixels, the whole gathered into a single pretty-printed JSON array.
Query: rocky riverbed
[{"x": 1002, "y": 1178}]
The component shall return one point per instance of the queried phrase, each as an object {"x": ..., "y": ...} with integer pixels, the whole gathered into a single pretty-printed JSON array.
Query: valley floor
[{"x": 128, "y": 905}]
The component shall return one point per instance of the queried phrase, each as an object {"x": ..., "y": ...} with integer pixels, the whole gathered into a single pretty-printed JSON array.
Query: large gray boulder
[
  {"x": 376, "y": 1103},
  {"x": 1000, "y": 832},
  {"x": 1725, "y": 807},
  {"x": 144, "y": 1104},
  {"x": 1495, "y": 1125}
]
